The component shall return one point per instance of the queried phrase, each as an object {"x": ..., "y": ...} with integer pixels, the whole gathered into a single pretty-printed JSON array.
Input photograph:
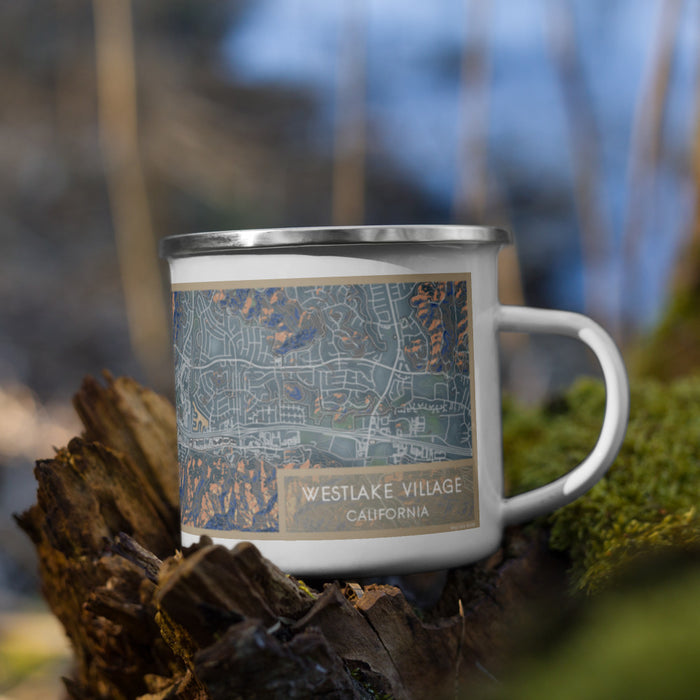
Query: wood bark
[{"x": 148, "y": 620}]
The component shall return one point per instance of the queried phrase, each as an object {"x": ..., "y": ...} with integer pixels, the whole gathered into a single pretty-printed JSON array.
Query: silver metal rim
[{"x": 218, "y": 242}]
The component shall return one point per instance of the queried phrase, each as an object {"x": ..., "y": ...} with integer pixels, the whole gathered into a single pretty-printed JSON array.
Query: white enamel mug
[{"x": 338, "y": 395}]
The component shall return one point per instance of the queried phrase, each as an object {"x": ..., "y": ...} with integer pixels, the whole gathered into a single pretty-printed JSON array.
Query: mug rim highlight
[{"x": 220, "y": 242}]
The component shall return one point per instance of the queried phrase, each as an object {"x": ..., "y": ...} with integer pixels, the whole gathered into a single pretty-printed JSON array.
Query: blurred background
[{"x": 576, "y": 123}]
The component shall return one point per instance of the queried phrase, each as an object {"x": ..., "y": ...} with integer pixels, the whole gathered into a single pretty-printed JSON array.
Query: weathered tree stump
[{"x": 147, "y": 620}]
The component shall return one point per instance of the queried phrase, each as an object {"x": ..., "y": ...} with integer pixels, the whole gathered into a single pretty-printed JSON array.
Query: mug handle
[{"x": 567, "y": 488}]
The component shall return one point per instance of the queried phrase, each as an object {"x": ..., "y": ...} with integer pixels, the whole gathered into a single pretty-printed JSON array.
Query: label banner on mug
[
  {"x": 334, "y": 407},
  {"x": 377, "y": 501}
]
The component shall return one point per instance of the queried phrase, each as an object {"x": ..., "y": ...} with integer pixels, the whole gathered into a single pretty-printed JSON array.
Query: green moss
[
  {"x": 648, "y": 499},
  {"x": 671, "y": 350},
  {"x": 640, "y": 641},
  {"x": 32, "y": 650}
]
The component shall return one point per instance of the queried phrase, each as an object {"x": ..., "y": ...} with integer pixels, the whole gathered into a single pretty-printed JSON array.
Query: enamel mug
[{"x": 338, "y": 396}]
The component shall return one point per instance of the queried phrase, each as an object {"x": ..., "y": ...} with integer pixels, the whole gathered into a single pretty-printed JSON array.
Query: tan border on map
[
  {"x": 323, "y": 281},
  {"x": 393, "y": 532}
]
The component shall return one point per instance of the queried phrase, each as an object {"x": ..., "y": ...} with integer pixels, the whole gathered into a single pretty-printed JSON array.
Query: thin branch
[
  {"x": 686, "y": 277},
  {"x": 584, "y": 138},
  {"x": 476, "y": 199},
  {"x": 135, "y": 240},
  {"x": 471, "y": 197},
  {"x": 350, "y": 119},
  {"x": 647, "y": 139}
]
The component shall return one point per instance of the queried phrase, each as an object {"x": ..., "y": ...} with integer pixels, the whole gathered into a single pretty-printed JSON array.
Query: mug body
[{"x": 338, "y": 396}]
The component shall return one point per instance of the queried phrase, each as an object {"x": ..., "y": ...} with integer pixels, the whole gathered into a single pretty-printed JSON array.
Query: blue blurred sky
[{"x": 413, "y": 99}]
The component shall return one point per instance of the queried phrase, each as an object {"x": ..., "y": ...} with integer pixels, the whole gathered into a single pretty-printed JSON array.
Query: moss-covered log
[{"x": 649, "y": 499}]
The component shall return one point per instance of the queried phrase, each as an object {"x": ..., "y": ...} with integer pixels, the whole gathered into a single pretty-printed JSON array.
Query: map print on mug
[
  {"x": 338, "y": 395},
  {"x": 335, "y": 409}
]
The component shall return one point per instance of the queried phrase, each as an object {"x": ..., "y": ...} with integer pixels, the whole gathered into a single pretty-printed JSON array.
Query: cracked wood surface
[{"x": 149, "y": 621}]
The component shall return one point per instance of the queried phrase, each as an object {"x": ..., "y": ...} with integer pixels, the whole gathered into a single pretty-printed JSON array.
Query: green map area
[{"x": 314, "y": 376}]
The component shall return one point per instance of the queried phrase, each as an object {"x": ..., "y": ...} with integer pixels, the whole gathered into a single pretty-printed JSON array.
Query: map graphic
[{"x": 309, "y": 376}]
